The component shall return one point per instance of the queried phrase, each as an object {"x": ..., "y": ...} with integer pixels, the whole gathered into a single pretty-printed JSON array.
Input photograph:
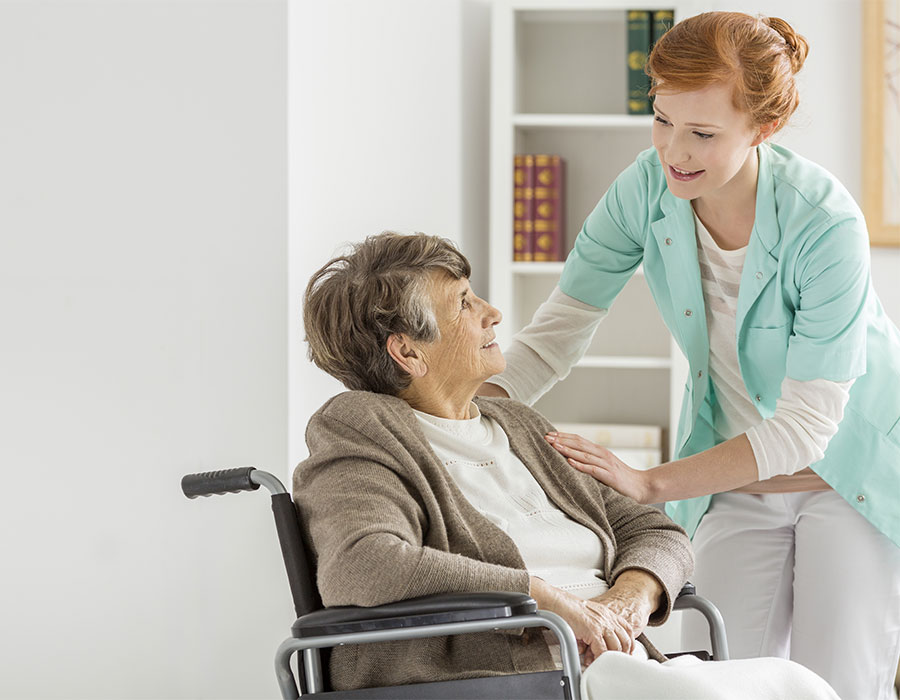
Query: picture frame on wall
[{"x": 881, "y": 120}]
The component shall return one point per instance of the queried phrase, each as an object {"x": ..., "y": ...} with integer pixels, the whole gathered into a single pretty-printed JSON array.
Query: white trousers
[
  {"x": 617, "y": 676},
  {"x": 803, "y": 577}
]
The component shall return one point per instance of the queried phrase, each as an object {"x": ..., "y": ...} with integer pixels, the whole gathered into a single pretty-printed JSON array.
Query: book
[
  {"x": 523, "y": 208},
  {"x": 616, "y": 435},
  {"x": 662, "y": 22},
  {"x": 549, "y": 214},
  {"x": 639, "y": 36}
]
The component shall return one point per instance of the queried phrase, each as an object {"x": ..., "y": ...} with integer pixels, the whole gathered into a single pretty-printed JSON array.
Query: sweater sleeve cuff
[
  {"x": 526, "y": 377},
  {"x": 757, "y": 444},
  {"x": 667, "y": 570}
]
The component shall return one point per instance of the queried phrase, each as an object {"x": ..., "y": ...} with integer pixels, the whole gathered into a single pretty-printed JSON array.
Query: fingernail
[{"x": 550, "y": 437}]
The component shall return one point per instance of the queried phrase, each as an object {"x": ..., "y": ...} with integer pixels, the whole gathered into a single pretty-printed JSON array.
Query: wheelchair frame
[{"x": 431, "y": 616}]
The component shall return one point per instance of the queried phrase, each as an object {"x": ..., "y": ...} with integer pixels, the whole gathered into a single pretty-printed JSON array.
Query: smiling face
[
  {"x": 467, "y": 352},
  {"x": 705, "y": 143}
]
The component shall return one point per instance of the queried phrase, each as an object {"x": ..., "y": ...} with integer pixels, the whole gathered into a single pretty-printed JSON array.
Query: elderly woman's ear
[{"x": 405, "y": 353}]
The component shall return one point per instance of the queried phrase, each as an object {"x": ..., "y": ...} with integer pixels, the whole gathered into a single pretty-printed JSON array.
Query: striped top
[
  {"x": 806, "y": 415},
  {"x": 720, "y": 274}
]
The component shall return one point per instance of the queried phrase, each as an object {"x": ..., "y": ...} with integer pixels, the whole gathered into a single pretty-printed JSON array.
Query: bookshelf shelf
[
  {"x": 624, "y": 362},
  {"x": 584, "y": 121},
  {"x": 553, "y": 269},
  {"x": 559, "y": 86},
  {"x": 547, "y": 268}
]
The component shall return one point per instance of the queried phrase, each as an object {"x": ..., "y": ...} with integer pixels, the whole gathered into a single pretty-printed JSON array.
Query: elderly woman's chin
[
  {"x": 463, "y": 373},
  {"x": 496, "y": 361},
  {"x": 495, "y": 364}
]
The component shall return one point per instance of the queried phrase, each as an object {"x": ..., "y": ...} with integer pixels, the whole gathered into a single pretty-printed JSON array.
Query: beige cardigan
[{"x": 386, "y": 522}]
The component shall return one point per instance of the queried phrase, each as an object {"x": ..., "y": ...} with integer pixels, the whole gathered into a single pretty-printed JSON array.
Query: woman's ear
[
  {"x": 765, "y": 131},
  {"x": 404, "y": 352}
]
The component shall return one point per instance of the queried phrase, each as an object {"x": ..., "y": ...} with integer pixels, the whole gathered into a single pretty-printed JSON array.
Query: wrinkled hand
[
  {"x": 614, "y": 625},
  {"x": 629, "y": 612},
  {"x": 602, "y": 464},
  {"x": 598, "y": 627},
  {"x": 609, "y": 622}
]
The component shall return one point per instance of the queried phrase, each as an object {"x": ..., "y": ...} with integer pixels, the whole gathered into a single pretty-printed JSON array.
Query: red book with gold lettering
[
  {"x": 523, "y": 208},
  {"x": 549, "y": 206}
]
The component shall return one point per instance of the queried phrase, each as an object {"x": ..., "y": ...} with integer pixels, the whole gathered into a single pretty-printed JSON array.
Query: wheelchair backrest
[{"x": 301, "y": 573}]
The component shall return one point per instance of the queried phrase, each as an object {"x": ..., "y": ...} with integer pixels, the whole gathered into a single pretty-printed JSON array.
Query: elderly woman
[{"x": 415, "y": 486}]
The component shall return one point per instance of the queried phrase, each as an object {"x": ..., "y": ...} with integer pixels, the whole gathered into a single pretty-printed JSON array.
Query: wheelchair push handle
[{"x": 219, "y": 482}]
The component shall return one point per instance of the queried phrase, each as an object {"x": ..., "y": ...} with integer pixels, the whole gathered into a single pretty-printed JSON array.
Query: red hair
[{"x": 758, "y": 55}]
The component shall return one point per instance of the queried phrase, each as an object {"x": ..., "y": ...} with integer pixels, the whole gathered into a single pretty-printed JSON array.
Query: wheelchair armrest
[
  {"x": 687, "y": 589},
  {"x": 688, "y": 599},
  {"x": 415, "y": 612}
]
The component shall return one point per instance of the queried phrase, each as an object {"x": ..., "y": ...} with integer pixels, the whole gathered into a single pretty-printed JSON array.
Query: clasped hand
[{"x": 609, "y": 622}]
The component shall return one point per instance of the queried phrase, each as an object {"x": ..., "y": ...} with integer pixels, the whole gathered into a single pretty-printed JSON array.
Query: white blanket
[{"x": 617, "y": 676}]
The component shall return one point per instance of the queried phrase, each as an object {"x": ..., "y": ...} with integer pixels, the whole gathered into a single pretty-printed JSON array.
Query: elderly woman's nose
[{"x": 493, "y": 316}]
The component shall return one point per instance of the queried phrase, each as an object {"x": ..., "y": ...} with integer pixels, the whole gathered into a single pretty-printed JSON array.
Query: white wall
[
  {"x": 389, "y": 129},
  {"x": 389, "y": 124},
  {"x": 827, "y": 126},
  {"x": 144, "y": 290},
  {"x": 360, "y": 101},
  {"x": 143, "y": 302}
]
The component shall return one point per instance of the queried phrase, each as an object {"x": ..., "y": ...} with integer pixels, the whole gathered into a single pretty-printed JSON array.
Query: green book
[
  {"x": 638, "y": 46},
  {"x": 662, "y": 22}
]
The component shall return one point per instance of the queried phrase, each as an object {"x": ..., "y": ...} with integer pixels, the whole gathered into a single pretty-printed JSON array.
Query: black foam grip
[
  {"x": 301, "y": 576},
  {"x": 220, "y": 482}
]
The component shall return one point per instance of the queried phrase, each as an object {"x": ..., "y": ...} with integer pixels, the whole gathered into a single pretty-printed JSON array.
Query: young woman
[{"x": 788, "y": 473}]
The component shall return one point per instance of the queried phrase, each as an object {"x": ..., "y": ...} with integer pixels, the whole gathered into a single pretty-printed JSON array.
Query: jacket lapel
[
  {"x": 760, "y": 264},
  {"x": 675, "y": 237}
]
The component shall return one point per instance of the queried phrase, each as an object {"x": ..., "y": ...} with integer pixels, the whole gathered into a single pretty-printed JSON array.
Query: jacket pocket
[
  {"x": 894, "y": 433},
  {"x": 763, "y": 354}
]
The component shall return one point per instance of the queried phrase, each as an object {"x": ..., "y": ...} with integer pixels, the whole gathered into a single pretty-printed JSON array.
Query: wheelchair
[{"x": 318, "y": 629}]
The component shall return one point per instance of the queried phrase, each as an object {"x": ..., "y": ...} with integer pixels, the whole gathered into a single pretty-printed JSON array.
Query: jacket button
[
  {"x": 759, "y": 275},
  {"x": 668, "y": 241},
  {"x": 860, "y": 499},
  {"x": 688, "y": 312},
  {"x": 758, "y": 397},
  {"x": 700, "y": 373}
]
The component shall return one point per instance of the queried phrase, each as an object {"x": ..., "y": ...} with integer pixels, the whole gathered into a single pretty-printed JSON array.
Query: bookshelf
[{"x": 559, "y": 84}]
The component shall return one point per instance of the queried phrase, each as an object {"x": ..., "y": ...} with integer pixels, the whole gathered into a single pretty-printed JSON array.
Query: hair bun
[{"x": 797, "y": 45}]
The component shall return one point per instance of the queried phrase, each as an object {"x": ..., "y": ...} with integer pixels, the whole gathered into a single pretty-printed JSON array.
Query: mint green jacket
[{"x": 806, "y": 309}]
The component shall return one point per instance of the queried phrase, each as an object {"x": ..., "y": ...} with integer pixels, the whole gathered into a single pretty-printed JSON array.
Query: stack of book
[
  {"x": 538, "y": 208},
  {"x": 645, "y": 27},
  {"x": 639, "y": 446}
]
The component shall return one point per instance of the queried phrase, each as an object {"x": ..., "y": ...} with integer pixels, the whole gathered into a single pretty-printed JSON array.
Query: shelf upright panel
[
  {"x": 678, "y": 376},
  {"x": 639, "y": 378},
  {"x": 503, "y": 88}
]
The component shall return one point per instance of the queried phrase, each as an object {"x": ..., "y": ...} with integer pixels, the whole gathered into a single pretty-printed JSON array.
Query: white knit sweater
[{"x": 477, "y": 455}]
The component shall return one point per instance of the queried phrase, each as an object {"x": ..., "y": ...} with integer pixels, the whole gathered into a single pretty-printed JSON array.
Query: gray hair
[{"x": 356, "y": 301}]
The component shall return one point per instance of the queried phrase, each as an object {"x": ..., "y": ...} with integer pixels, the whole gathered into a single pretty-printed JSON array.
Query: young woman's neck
[{"x": 729, "y": 212}]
